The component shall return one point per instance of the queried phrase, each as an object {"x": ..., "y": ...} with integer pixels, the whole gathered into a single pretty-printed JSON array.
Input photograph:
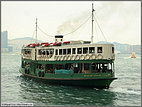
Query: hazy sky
[{"x": 120, "y": 21}]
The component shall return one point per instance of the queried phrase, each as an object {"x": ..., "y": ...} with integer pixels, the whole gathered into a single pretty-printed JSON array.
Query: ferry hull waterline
[
  {"x": 94, "y": 82},
  {"x": 74, "y": 63}
]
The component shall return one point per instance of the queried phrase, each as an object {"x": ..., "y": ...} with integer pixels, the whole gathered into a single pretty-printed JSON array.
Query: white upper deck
[{"x": 70, "y": 51}]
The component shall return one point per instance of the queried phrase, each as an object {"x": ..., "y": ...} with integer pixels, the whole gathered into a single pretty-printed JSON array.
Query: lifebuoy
[
  {"x": 57, "y": 58},
  {"x": 99, "y": 56},
  {"x": 93, "y": 56},
  {"x": 77, "y": 57},
  {"x": 87, "y": 56},
  {"x": 82, "y": 57},
  {"x": 61, "y": 58},
  {"x": 64, "y": 58},
  {"x": 68, "y": 57},
  {"x": 73, "y": 57}
]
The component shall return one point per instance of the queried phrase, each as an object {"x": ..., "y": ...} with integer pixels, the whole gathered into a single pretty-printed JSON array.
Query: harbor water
[{"x": 125, "y": 91}]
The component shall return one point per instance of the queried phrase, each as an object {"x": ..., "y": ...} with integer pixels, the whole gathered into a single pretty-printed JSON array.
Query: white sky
[{"x": 120, "y": 21}]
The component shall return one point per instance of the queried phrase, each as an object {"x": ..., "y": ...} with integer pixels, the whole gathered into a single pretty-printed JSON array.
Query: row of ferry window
[
  {"x": 84, "y": 50},
  {"x": 45, "y": 52},
  {"x": 27, "y": 51},
  {"x": 68, "y": 51}
]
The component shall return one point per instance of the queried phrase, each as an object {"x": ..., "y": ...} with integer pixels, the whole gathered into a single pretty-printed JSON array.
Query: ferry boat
[{"x": 76, "y": 63}]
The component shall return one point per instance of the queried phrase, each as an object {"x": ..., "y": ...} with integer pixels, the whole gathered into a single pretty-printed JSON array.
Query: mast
[
  {"x": 92, "y": 22},
  {"x": 36, "y": 31}
]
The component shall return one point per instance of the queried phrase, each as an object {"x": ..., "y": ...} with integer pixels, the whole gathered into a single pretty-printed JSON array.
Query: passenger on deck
[
  {"x": 52, "y": 70},
  {"x": 41, "y": 72},
  {"x": 71, "y": 67},
  {"x": 27, "y": 69}
]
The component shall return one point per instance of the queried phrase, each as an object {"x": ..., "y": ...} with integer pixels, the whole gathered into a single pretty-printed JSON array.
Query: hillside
[{"x": 19, "y": 42}]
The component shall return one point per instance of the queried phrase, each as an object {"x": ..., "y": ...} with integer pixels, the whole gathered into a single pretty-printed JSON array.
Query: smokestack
[{"x": 58, "y": 38}]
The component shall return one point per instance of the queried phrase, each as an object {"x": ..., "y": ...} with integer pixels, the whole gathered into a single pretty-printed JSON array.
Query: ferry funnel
[{"x": 59, "y": 38}]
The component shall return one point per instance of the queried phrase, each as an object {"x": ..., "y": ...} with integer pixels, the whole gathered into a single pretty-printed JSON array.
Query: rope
[
  {"x": 100, "y": 29},
  {"x": 78, "y": 27},
  {"x": 44, "y": 32},
  {"x": 66, "y": 33}
]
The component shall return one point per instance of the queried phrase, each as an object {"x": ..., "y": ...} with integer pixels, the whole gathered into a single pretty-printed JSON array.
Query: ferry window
[
  {"x": 60, "y": 51},
  {"x": 47, "y": 52},
  {"x": 51, "y": 51},
  {"x": 28, "y": 51},
  {"x": 85, "y": 50},
  {"x": 112, "y": 49},
  {"x": 79, "y": 50},
  {"x": 91, "y": 49},
  {"x": 43, "y": 52},
  {"x": 73, "y": 50},
  {"x": 86, "y": 66},
  {"x": 99, "y": 49},
  {"x": 56, "y": 51},
  {"x": 68, "y": 51},
  {"x": 64, "y": 51},
  {"x": 25, "y": 51},
  {"x": 39, "y": 52}
]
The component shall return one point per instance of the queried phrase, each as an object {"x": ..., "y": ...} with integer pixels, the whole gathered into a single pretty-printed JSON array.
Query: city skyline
[{"x": 120, "y": 21}]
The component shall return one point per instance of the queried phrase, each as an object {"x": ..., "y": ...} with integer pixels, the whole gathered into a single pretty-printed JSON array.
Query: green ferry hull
[{"x": 101, "y": 83}]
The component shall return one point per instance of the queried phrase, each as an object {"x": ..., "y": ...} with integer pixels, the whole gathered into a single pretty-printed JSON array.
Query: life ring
[
  {"x": 72, "y": 57},
  {"x": 77, "y": 57},
  {"x": 68, "y": 57},
  {"x": 64, "y": 57},
  {"x": 93, "y": 56},
  {"x": 61, "y": 58},
  {"x": 57, "y": 58},
  {"x": 87, "y": 56},
  {"x": 82, "y": 57},
  {"x": 99, "y": 56}
]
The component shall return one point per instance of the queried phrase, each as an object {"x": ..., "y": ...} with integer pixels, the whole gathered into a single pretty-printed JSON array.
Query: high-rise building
[{"x": 4, "y": 39}]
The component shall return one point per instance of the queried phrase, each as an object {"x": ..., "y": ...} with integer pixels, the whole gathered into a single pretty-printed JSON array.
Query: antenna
[
  {"x": 36, "y": 31},
  {"x": 92, "y": 22}
]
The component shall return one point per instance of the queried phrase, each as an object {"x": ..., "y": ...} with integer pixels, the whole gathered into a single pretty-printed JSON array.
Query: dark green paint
[{"x": 98, "y": 80}]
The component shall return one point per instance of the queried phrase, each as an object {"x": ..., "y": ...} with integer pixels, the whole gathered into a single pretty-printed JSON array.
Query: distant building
[
  {"x": 4, "y": 39},
  {"x": 4, "y": 42}
]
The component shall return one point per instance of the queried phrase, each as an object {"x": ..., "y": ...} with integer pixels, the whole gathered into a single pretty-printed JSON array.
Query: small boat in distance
[{"x": 133, "y": 55}]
